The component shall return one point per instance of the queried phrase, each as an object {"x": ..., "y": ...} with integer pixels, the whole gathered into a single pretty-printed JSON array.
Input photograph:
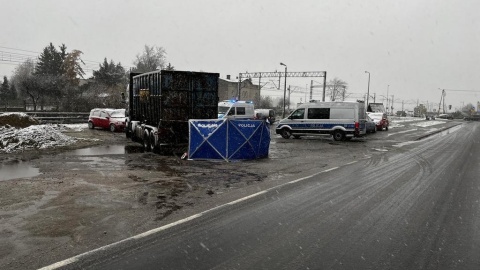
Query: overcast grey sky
[{"x": 415, "y": 46}]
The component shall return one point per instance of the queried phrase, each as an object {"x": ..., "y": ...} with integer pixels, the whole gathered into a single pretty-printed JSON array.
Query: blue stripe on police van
[{"x": 320, "y": 126}]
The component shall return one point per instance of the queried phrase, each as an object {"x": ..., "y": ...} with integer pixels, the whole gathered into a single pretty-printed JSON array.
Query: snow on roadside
[
  {"x": 36, "y": 137},
  {"x": 32, "y": 137},
  {"x": 19, "y": 132}
]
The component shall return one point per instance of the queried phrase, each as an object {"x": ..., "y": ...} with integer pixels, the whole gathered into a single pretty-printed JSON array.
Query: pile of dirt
[{"x": 18, "y": 120}]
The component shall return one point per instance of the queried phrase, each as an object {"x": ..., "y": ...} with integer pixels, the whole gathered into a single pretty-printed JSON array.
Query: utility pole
[
  {"x": 311, "y": 89},
  {"x": 306, "y": 87},
  {"x": 392, "y": 104},
  {"x": 444, "y": 94},
  {"x": 324, "y": 85},
  {"x": 388, "y": 86},
  {"x": 442, "y": 98},
  {"x": 289, "y": 91}
]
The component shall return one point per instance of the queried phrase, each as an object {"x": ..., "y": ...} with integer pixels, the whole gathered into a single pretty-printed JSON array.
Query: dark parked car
[
  {"x": 474, "y": 117},
  {"x": 445, "y": 116},
  {"x": 112, "y": 119},
  {"x": 380, "y": 119},
  {"x": 371, "y": 127}
]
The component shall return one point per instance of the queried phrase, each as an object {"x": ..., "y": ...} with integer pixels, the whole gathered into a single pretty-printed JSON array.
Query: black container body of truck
[{"x": 162, "y": 102}]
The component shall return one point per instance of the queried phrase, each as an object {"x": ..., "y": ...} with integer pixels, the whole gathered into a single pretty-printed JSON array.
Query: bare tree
[
  {"x": 23, "y": 80},
  {"x": 265, "y": 102},
  {"x": 337, "y": 89},
  {"x": 152, "y": 58}
]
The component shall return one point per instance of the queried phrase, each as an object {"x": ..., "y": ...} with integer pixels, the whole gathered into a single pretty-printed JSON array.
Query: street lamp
[
  {"x": 368, "y": 88},
  {"x": 284, "y": 89}
]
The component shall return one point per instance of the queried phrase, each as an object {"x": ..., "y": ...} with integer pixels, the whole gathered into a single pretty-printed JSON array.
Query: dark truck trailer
[{"x": 161, "y": 103}]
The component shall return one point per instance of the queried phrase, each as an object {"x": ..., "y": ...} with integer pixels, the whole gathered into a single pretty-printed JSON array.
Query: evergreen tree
[
  {"x": 50, "y": 61},
  {"x": 13, "y": 92},
  {"x": 4, "y": 88},
  {"x": 109, "y": 74}
]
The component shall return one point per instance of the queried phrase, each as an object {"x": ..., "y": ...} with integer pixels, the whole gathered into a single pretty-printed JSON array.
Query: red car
[
  {"x": 380, "y": 119},
  {"x": 113, "y": 119}
]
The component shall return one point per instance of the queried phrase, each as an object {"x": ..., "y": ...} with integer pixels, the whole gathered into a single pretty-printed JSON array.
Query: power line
[
  {"x": 456, "y": 90},
  {"x": 18, "y": 49},
  {"x": 13, "y": 58}
]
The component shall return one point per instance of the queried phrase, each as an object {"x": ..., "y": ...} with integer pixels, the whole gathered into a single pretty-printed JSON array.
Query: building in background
[{"x": 228, "y": 89}]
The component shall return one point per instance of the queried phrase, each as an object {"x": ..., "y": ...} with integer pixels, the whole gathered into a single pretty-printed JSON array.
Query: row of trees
[{"x": 57, "y": 80}]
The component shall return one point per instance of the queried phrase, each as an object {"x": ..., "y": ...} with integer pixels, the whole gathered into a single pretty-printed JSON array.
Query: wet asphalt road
[{"x": 412, "y": 209}]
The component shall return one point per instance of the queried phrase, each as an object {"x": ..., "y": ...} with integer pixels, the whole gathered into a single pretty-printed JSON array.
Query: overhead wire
[{"x": 17, "y": 58}]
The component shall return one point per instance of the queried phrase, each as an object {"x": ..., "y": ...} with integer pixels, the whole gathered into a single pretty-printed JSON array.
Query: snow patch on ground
[
  {"x": 32, "y": 137},
  {"x": 36, "y": 137},
  {"x": 428, "y": 123}
]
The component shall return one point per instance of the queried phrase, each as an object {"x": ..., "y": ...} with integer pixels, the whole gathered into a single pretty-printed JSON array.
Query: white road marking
[{"x": 170, "y": 225}]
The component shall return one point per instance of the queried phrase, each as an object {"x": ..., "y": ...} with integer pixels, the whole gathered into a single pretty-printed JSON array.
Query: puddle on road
[
  {"x": 99, "y": 150},
  {"x": 26, "y": 170},
  {"x": 107, "y": 150},
  {"x": 17, "y": 170}
]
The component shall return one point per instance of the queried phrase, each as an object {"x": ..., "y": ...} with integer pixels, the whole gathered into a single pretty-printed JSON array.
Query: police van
[
  {"x": 342, "y": 120},
  {"x": 235, "y": 109}
]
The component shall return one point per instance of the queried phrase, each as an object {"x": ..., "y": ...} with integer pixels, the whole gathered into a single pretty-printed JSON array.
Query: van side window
[
  {"x": 298, "y": 114},
  {"x": 240, "y": 110},
  {"x": 318, "y": 113},
  {"x": 340, "y": 113}
]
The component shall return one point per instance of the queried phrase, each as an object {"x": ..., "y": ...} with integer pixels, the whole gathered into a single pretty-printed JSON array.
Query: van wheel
[
  {"x": 286, "y": 133},
  {"x": 338, "y": 135},
  {"x": 91, "y": 125},
  {"x": 146, "y": 142}
]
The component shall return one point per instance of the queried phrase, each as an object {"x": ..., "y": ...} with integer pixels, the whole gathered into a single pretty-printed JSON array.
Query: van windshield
[
  {"x": 223, "y": 109},
  {"x": 298, "y": 114}
]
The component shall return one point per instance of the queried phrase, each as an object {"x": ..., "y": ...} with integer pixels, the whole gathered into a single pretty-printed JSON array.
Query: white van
[
  {"x": 234, "y": 109},
  {"x": 342, "y": 120}
]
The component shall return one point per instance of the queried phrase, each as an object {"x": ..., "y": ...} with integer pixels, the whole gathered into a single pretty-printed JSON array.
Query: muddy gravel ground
[{"x": 105, "y": 189}]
